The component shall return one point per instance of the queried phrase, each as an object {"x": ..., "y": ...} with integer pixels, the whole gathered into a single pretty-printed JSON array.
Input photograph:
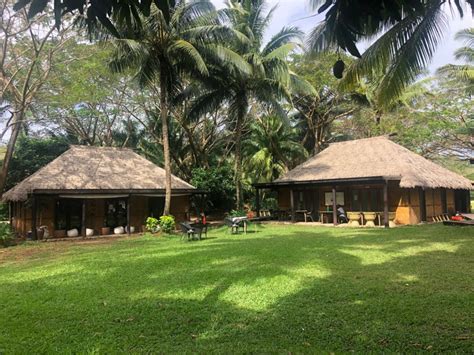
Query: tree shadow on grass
[{"x": 302, "y": 292}]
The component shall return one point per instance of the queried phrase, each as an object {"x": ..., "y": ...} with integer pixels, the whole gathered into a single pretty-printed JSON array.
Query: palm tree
[
  {"x": 463, "y": 74},
  {"x": 266, "y": 77},
  {"x": 408, "y": 33},
  {"x": 272, "y": 148},
  {"x": 164, "y": 48}
]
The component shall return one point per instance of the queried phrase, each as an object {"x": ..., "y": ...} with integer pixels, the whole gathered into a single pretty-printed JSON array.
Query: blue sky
[{"x": 293, "y": 12}]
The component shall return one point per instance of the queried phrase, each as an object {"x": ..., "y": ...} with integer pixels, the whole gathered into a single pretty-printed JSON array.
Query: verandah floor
[{"x": 282, "y": 289}]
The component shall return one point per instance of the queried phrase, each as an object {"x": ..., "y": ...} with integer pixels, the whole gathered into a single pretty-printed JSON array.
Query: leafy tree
[
  {"x": 462, "y": 74},
  {"x": 316, "y": 112},
  {"x": 219, "y": 184},
  {"x": 272, "y": 148},
  {"x": 31, "y": 154},
  {"x": 164, "y": 48},
  {"x": 264, "y": 77},
  {"x": 27, "y": 57},
  {"x": 88, "y": 102},
  {"x": 408, "y": 33},
  {"x": 104, "y": 12}
]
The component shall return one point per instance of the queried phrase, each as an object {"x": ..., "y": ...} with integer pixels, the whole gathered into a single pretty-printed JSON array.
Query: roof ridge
[{"x": 383, "y": 136}]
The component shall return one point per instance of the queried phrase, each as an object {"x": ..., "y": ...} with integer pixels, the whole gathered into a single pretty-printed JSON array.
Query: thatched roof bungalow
[
  {"x": 371, "y": 175},
  {"x": 94, "y": 187}
]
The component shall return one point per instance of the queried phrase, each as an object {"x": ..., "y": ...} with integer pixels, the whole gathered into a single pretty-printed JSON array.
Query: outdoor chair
[
  {"x": 202, "y": 227},
  {"x": 308, "y": 215},
  {"x": 233, "y": 226},
  {"x": 190, "y": 232}
]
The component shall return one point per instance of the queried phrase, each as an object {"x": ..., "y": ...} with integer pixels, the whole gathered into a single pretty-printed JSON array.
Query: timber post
[
  {"x": 422, "y": 199},
  {"x": 292, "y": 204},
  {"x": 386, "y": 221},
  {"x": 334, "y": 207},
  {"x": 128, "y": 214},
  {"x": 257, "y": 201},
  {"x": 34, "y": 230},
  {"x": 83, "y": 218}
]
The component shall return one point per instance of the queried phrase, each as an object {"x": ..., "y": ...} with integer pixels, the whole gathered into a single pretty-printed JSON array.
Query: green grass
[{"x": 282, "y": 289}]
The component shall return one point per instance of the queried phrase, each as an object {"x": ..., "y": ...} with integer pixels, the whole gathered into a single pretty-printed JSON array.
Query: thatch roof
[
  {"x": 375, "y": 157},
  {"x": 96, "y": 169}
]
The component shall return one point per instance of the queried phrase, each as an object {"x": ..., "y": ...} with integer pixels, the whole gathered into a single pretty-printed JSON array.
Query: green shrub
[
  {"x": 4, "y": 212},
  {"x": 237, "y": 213},
  {"x": 6, "y": 235},
  {"x": 219, "y": 184},
  {"x": 167, "y": 223},
  {"x": 152, "y": 224}
]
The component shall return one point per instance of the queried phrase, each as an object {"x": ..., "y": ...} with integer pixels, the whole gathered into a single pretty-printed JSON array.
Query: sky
[{"x": 296, "y": 12}]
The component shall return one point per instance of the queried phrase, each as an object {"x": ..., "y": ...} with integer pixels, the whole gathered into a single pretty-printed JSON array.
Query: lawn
[{"x": 282, "y": 289}]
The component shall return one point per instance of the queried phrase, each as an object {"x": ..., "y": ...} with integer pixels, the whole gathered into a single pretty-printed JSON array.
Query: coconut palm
[
  {"x": 266, "y": 78},
  {"x": 464, "y": 73},
  {"x": 408, "y": 34},
  {"x": 164, "y": 48},
  {"x": 272, "y": 148}
]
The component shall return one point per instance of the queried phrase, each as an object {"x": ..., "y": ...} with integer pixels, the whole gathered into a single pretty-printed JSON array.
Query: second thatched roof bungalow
[
  {"x": 95, "y": 189},
  {"x": 372, "y": 177}
]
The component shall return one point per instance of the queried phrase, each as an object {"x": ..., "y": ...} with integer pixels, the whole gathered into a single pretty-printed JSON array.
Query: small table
[
  {"x": 244, "y": 220},
  {"x": 304, "y": 213}
]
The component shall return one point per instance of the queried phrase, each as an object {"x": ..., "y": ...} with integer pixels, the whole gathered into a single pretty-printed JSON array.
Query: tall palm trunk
[
  {"x": 166, "y": 143},
  {"x": 241, "y": 112},
  {"x": 16, "y": 127}
]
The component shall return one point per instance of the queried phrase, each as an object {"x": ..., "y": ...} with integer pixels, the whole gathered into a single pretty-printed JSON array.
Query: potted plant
[
  {"x": 109, "y": 223},
  {"x": 60, "y": 231},
  {"x": 105, "y": 230}
]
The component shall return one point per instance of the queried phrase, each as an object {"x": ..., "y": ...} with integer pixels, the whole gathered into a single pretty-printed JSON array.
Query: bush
[
  {"x": 237, "y": 213},
  {"x": 4, "y": 212},
  {"x": 6, "y": 235},
  {"x": 152, "y": 224},
  {"x": 167, "y": 223},
  {"x": 219, "y": 184}
]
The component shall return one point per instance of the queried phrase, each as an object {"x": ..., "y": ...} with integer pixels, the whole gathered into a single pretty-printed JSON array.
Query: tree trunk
[
  {"x": 241, "y": 112},
  {"x": 166, "y": 144},
  {"x": 238, "y": 163},
  {"x": 16, "y": 126}
]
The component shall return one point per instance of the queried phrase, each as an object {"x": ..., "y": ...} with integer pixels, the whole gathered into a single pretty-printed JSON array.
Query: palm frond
[
  {"x": 300, "y": 86},
  {"x": 465, "y": 53},
  {"x": 281, "y": 52},
  {"x": 285, "y": 36},
  {"x": 466, "y": 36},
  {"x": 127, "y": 53},
  {"x": 184, "y": 50},
  {"x": 228, "y": 58},
  {"x": 400, "y": 54}
]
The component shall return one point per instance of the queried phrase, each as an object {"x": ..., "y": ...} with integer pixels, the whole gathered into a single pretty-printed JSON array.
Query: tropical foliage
[
  {"x": 210, "y": 96},
  {"x": 408, "y": 33},
  {"x": 462, "y": 75}
]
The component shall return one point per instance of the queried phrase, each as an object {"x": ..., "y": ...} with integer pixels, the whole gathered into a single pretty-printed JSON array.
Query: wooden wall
[
  {"x": 404, "y": 202},
  {"x": 95, "y": 213}
]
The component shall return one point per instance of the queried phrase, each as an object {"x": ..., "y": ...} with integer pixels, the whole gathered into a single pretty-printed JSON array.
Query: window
[
  {"x": 115, "y": 213},
  {"x": 339, "y": 198},
  {"x": 68, "y": 214},
  {"x": 156, "y": 206}
]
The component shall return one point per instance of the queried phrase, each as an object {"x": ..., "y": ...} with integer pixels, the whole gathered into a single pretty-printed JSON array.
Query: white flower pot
[
  {"x": 73, "y": 233},
  {"x": 89, "y": 232},
  {"x": 119, "y": 230},
  {"x": 132, "y": 229}
]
